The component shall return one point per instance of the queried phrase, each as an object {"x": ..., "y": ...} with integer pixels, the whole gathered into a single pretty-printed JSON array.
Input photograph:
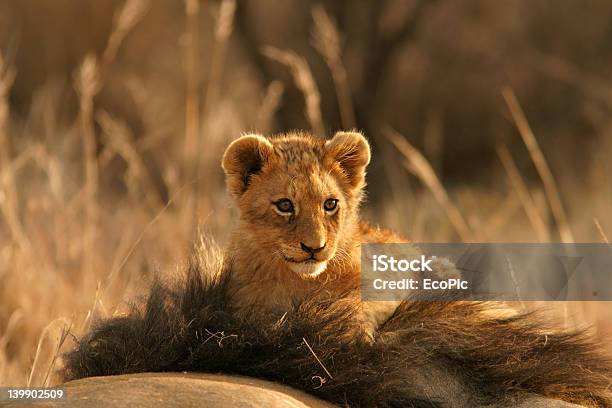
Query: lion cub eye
[
  {"x": 284, "y": 206},
  {"x": 330, "y": 204}
]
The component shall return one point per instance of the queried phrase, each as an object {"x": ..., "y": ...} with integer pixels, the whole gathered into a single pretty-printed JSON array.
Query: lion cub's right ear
[{"x": 243, "y": 158}]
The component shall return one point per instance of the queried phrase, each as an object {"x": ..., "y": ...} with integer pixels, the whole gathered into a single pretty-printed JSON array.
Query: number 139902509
[{"x": 18, "y": 393}]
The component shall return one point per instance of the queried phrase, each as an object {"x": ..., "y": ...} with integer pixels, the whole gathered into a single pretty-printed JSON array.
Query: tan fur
[{"x": 270, "y": 270}]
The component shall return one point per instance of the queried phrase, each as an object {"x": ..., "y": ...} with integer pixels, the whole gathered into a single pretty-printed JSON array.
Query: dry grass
[
  {"x": 418, "y": 165},
  {"x": 269, "y": 106},
  {"x": 521, "y": 190},
  {"x": 8, "y": 197},
  {"x": 88, "y": 85},
  {"x": 90, "y": 211},
  {"x": 604, "y": 237},
  {"x": 304, "y": 81},
  {"x": 192, "y": 82},
  {"x": 327, "y": 40},
  {"x": 550, "y": 186}
]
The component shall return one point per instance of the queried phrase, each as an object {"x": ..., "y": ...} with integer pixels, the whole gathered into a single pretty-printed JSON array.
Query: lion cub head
[{"x": 298, "y": 197}]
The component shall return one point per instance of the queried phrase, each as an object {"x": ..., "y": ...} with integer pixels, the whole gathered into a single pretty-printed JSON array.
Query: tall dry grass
[
  {"x": 305, "y": 82},
  {"x": 327, "y": 40},
  {"x": 550, "y": 186},
  {"x": 93, "y": 209}
]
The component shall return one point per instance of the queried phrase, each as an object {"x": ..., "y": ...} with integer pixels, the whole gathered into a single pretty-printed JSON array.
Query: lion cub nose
[{"x": 310, "y": 249}]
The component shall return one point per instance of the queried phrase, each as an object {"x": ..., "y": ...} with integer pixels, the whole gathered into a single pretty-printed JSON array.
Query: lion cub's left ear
[{"x": 351, "y": 151}]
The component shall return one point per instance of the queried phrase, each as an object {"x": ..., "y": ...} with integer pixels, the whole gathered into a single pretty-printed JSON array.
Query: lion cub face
[{"x": 298, "y": 197}]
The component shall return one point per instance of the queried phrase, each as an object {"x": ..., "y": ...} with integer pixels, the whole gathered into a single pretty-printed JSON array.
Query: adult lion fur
[{"x": 428, "y": 354}]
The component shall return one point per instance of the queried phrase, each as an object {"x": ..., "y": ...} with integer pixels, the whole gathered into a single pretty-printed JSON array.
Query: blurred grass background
[{"x": 489, "y": 121}]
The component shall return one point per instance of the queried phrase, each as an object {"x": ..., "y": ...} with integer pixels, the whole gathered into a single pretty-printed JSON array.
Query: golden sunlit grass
[
  {"x": 521, "y": 190},
  {"x": 75, "y": 245}
]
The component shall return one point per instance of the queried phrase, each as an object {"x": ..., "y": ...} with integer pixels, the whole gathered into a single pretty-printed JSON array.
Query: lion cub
[{"x": 299, "y": 227}]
